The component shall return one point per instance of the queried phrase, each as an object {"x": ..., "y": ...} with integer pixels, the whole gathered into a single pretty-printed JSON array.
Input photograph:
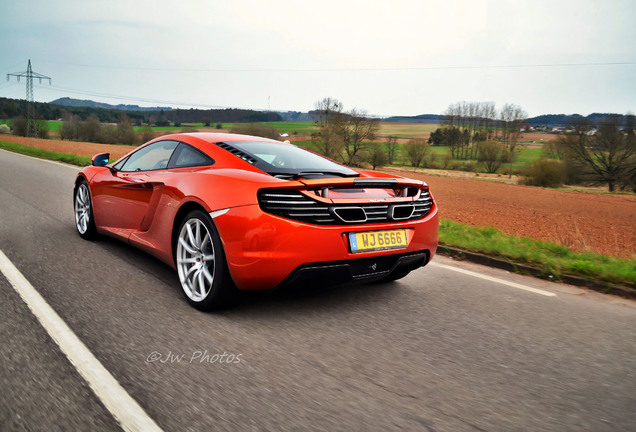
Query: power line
[{"x": 371, "y": 69}]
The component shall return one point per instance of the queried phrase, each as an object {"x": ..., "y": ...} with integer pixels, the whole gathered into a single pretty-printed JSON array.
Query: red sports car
[{"x": 234, "y": 211}]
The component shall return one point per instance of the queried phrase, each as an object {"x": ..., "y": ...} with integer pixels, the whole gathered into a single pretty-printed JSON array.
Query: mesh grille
[
  {"x": 237, "y": 152},
  {"x": 297, "y": 206}
]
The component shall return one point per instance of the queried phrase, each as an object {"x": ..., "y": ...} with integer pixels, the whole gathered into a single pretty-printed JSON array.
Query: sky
[{"x": 399, "y": 57}]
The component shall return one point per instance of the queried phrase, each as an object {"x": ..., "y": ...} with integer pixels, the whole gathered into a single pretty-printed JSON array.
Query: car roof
[{"x": 212, "y": 137}]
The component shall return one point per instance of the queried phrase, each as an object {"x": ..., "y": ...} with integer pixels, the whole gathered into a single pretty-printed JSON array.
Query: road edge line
[
  {"x": 64, "y": 164},
  {"x": 494, "y": 279},
  {"x": 130, "y": 415}
]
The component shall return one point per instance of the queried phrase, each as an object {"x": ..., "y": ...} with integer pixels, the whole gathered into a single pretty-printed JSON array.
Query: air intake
[{"x": 236, "y": 152}]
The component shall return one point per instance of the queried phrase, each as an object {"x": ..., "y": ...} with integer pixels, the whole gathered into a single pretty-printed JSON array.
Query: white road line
[
  {"x": 494, "y": 279},
  {"x": 122, "y": 406}
]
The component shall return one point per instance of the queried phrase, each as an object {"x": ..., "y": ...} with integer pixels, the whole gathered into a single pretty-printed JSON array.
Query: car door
[{"x": 122, "y": 197}]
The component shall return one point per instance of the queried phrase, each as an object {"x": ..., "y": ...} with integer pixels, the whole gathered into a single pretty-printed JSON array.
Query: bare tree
[
  {"x": 69, "y": 129},
  {"x": 511, "y": 118},
  {"x": 355, "y": 131},
  {"x": 391, "y": 148},
  {"x": 609, "y": 155},
  {"x": 342, "y": 132},
  {"x": 329, "y": 116}
]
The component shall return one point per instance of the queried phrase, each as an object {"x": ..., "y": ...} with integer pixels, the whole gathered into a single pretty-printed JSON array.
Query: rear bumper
[
  {"x": 265, "y": 251},
  {"x": 359, "y": 270}
]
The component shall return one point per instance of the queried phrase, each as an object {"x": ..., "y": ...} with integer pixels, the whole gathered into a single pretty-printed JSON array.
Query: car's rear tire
[
  {"x": 201, "y": 264},
  {"x": 84, "y": 219}
]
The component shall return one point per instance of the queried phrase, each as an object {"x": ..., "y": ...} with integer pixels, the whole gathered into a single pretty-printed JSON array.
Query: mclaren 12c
[{"x": 241, "y": 212}]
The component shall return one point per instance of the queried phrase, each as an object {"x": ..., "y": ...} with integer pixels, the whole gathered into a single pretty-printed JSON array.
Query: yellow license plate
[{"x": 378, "y": 240}]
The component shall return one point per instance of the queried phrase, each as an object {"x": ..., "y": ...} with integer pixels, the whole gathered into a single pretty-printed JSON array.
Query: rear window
[{"x": 288, "y": 159}]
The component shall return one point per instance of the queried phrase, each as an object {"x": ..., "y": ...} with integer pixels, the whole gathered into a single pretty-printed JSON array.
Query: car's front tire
[
  {"x": 84, "y": 219},
  {"x": 201, "y": 263}
]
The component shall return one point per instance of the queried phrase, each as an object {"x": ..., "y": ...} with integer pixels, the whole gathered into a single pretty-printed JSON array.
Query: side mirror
[{"x": 101, "y": 159}]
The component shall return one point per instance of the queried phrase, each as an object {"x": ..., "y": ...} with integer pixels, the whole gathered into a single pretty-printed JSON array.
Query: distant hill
[
  {"x": 565, "y": 120},
  {"x": 422, "y": 118},
  {"x": 11, "y": 108},
  {"x": 546, "y": 120},
  {"x": 70, "y": 102},
  {"x": 294, "y": 116}
]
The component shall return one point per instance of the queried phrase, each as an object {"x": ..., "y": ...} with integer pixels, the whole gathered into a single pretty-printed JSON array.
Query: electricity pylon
[{"x": 29, "y": 74}]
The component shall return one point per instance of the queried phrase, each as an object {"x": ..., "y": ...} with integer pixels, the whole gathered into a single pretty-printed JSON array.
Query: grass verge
[
  {"x": 551, "y": 258},
  {"x": 45, "y": 154}
]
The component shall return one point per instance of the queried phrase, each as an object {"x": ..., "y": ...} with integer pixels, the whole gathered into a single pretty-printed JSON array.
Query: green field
[
  {"x": 306, "y": 128},
  {"x": 301, "y": 127},
  {"x": 407, "y": 130}
]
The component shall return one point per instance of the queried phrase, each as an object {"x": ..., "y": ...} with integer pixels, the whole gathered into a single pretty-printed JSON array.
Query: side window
[
  {"x": 188, "y": 156},
  {"x": 120, "y": 164},
  {"x": 152, "y": 157}
]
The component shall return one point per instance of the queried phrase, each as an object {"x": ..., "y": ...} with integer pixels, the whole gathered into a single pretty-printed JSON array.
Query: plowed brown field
[
  {"x": 72, "y": 147},
  {"x": 583, "y": 221}
]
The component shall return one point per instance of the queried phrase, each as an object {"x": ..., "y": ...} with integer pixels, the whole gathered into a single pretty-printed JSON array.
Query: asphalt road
[{"x": 439, "y": 350}]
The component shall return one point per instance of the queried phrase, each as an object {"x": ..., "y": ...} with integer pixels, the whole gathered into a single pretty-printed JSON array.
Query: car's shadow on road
[{"x": 299, "y": 299}]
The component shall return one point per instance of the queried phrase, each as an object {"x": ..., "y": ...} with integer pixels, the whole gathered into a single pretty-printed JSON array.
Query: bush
[
  {"x": 416, "y": 151},
  {"x": 448, "y": 161},
  {"x": 377, "y": 156},
  {"x": 4, "y": 129},
  {"x": 20, "y": 126},
  {"x": 90, "y": 130},
  {"x": 147, "y": 134},
  {"x": 109, "y": 135},
  {"x": 544, "y": 173},
  {"x": 125, "y": 130},
  {"x": 429, "y": 161},
  {"x": 491, "y": 155},
  {"x": 467, "y": 166},
  {"x": 42, "y": 129}
]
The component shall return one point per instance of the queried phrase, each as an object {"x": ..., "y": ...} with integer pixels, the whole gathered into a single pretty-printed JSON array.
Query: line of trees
[
  {"x": 477, "y": 130},
  {"x": 12, "y": 108},
  {"x": 74, "y": 128}
]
